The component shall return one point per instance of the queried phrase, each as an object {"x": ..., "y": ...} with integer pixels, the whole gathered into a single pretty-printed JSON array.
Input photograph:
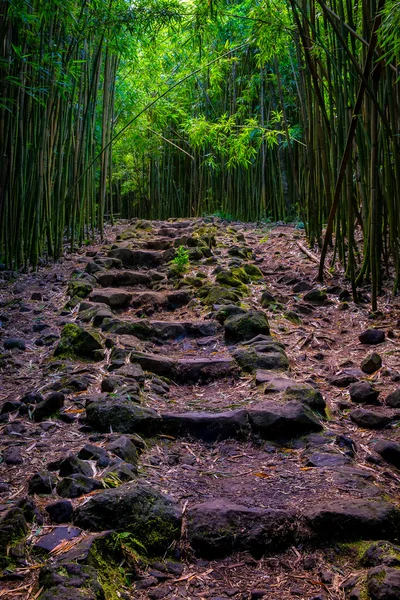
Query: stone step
[
  {"x": 121, "y": 298},
  {"x": 187, "y": 370},
  {"x": 277, "y": 421},
  {"x": 137, "y": 258},
  {"x": 145, "y": 329},
  {"x": 219, "y": 528},
  {"x": 115, "y": 279}
]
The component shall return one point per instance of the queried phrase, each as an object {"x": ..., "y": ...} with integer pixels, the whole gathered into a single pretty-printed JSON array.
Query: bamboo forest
[{"x": 199, "y": 299}]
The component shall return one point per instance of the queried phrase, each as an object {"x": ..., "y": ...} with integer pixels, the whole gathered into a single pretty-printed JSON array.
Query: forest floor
[{"x": 270, "y": 458}]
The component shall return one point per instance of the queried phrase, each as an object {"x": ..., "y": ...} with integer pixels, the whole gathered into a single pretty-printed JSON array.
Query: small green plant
[{"x": 181, "y": 259}]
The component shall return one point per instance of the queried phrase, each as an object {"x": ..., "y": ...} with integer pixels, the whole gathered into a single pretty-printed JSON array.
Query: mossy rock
[
  {"x": 217, "y": 293},
  {"x": 79, "y": 288},
  {"x": 267, "y": 298},
  {"x": 240, "y": 273},
  {"x": 152, "y": 518},
  {"x": 64, "y": 579},
  {"x": 192, "y": 282},
  {"x": 253, "y": 271},
  {"x": 240, "y": 251},
  {"x": 241, "y": 327},
  {"x": 249, "y": 359},
  {"x": 77, "y": 342},
  {"x": 306, "y": 395},
  {"x": 227, "y": 278},
  {"x": 13, "y": 529}
]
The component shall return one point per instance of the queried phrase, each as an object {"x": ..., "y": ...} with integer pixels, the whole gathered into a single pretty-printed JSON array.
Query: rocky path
[{"x": 215, "y": 426}]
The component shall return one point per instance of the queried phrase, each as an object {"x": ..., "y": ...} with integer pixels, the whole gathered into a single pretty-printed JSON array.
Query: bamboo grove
[{"x": 274, "y": 110}]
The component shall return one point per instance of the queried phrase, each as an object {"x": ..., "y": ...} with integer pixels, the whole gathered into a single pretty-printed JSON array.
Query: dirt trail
[{"x": 218, "y": 431}]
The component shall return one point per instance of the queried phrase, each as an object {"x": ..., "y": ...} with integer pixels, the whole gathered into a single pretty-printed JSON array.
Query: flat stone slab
[
  {"x": 219, "y": 528},
  {"x": 123, "y": 416},
  {"x": 115, "y": 298},
  {"x": 123, "y": 278},
  {"x": 271, "y": 420},
  {"x": 208, "y": 427},
  {"x": 145, "y": 329},
  {"x": 274, "y": 384},
  {"x": 352, "y": 519},
  {"x": 137, "y": 258},
  {"x": 59, "y": 534},
  {"x": 187, "y": 370}
]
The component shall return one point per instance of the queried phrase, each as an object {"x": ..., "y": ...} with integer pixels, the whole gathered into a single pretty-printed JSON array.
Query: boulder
[
  {"x": 115, "y": 279},
  {"x": 353, "y": 519},
  {"x": 122, "y": 416},
  {"x": 49, "y": 406},
  {"x": 151, "y": 517},
  {"x": 372, "y": 337},
  {"x": 371, "y": 363},
  {"x": 77, "y": 485},
  {"x": 393, "y": 399},
  {"x": 363, "y": 392},
  {"x": 270, "y": 357},
  {"x": 369, "y": 419},
  {"x": 60, "y": 511},
  {"x": 208, "y": 427},
  {"x": 115, "y": 298},
  {"x": 219, "y": 528},
  {"x": 383, "y": 583},
  {"x": 243, "y": 327},
  {"x": 124, "y": 448},
  {"x": 306, "y": 394},
  {"x": 137, "y": 258},
  {"x": 315, "y": 296},
  {"x": 390, "y": 451},
  {"x": 13, "y": 529},
  {"x": 78, "y": 342},
  {"x": 42, "y": 482},
  {"x": 271, "y": 420},
  {"x": 72, "y": 464},
  {"x": 381, "y": 553}
]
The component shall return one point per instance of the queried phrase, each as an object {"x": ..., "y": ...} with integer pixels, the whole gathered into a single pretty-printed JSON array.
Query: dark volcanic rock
[
  {"x": 207, "y": 426},
  {"x": 124, "y": 448},
  {"x": 60, "y": 512},
  {"x": 371, "y": 363},
  {"x": 153, "y": 518},
  {"x": 363, "y": 393},
  {"x": 137, "y": 258},
  {"x": 76, "y": 485},
  {"x": 384, "y": 583},
  {"x": 327, "y": 459},
  {"x": 369, "y": 419},
  {"x": 71, "y": 464},
  {"x": 393, "y": 399},
  {"x": 49, "y": 406},
  {"x": 122, "y": 416},
  {"x": 306, "y": 394},
  {"x": 352, "y": 519},
  {"x": 11, "y": 343},
  {"x": 372, "y": 336},
  {"x": 315, "y": 296},
  {"x": 70, "y": 581},
  {"x": 343, "y": 380},
  {"x": 114, "y": 298},
  {"x": 390, "y": 451},
  {"x": 13, "y": 528},
  {"x": 43, "y": 482},
  {"x": 245, "y": 326},
  {"x": 271, "y": 420},
  {"x": 219, "y": 528},
  {"x": 381, "y": 553}
]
